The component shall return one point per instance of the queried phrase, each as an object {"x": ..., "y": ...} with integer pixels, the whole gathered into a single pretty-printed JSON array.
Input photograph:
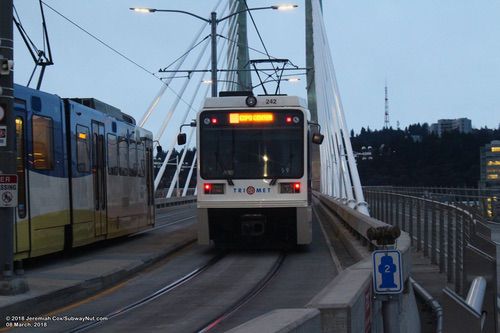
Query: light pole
[{"x": 213, "y": 21}]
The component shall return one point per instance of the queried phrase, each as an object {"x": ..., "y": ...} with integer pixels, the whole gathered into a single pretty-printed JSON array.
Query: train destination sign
[
  {"x": 261, "y": 117},
  {"x": 8, "y": 190}
]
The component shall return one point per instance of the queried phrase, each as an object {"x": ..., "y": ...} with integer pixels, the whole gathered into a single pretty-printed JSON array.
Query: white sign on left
[{"x": 8, "y": 190}]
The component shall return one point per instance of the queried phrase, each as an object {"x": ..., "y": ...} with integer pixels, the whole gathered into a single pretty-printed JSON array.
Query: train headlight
[{"x": 251, "y": 101}]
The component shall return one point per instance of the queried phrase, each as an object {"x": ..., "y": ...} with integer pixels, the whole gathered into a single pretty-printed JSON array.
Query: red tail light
[
  {"x": 289, "y": 188},
  {"x": 213, "y": 188}
]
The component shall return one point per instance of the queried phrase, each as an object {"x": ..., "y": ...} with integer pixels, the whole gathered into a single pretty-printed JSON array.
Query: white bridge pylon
[{"x": 339, "y": 173}]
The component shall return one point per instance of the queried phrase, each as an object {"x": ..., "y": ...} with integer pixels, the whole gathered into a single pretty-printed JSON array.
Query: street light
[{"x": 213, "y": 21}]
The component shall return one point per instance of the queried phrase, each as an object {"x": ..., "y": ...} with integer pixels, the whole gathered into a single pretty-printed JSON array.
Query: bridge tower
[{"x": 311, "y": 92}]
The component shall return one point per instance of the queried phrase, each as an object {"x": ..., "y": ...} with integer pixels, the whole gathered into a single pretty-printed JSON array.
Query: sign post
[
  {"x": 9, "y": 284},
  {"x": 387, "y": 274}
]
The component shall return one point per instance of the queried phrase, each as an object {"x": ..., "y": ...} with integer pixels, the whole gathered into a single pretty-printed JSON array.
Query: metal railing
[
  {"x": 484, "y": 204},
  {"x": 439, "y": 229}
]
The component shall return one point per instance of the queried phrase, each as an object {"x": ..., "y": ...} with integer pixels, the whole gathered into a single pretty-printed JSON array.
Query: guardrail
[
  {"x": 484, "y": 204},
  {"x": 440, "y": 230},
  {"x": 453, "y": 236}
]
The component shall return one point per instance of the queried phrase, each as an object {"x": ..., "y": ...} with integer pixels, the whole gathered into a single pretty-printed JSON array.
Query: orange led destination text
[{"x": 237, "y": 118}]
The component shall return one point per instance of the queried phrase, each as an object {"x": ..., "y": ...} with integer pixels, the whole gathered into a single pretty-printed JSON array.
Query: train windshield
[{"x": 244, "y": 145}]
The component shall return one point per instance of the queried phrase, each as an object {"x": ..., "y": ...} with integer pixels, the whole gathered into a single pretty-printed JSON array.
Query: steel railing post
[
  {"x": 419, "y": 226},
  {"x": 458, "y": 252},
  {"x": 398, "y": 221},
  {"x": 403, "y": 217},
  {"x": 410, "y": 220},
  {"x": 441, "y": 240},
  {"x": 434, "y": 234},
  {"x": 449, "y": 251},
  {"x": 426, "y": 228}
]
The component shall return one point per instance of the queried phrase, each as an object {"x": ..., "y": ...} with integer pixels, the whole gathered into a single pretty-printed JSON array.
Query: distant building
[
  {"x": 463, "y": 125},
  {"x": 416, "y": 138},
  {"x": 490, "y": 178},
  {"x": 490, "y": 165},
  {"x": 365, "y": 154}
]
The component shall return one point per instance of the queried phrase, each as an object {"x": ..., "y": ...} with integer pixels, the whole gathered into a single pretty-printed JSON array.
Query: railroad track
[
  {"x": 209, "y": 325},
  {"x": 245, "y": 298},
  {"x": 160, "y": 292}
]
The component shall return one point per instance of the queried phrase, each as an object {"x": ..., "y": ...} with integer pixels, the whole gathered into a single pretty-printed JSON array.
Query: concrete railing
[
  {"x": 165, "y": 203},
  {"x": 348, "y": 303}
]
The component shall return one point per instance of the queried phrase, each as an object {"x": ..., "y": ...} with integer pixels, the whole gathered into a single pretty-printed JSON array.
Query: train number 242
[{"x": 271, "y": 101}]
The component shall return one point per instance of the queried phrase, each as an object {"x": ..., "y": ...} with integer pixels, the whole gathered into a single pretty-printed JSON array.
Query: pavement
[
  {"x": 427, "y": 275},
  {"x": 63, "y": 279}
]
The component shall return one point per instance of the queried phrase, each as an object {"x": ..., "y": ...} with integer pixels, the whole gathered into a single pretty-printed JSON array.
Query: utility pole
[{"x": 8, "y": 284}]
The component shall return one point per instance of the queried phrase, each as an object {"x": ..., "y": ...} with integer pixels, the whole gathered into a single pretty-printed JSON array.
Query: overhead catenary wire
[
  {"x": 172, "y": 142},
  {"x": 100, "y": 40},
  {"x": 121, "y": 54},
  {"x": 257, "y": 30},
  {"x": 173, "y": 106}
]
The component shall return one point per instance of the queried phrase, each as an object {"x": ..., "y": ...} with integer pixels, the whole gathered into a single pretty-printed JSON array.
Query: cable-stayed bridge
[
  {"x": 364, "y": 256},
  {"x": 339, "y": 176}
]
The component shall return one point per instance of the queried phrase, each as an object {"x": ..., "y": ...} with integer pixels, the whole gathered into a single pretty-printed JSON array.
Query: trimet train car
[
  {"x": 84, "y": 173},
  {"x": 254, "y": 171}
]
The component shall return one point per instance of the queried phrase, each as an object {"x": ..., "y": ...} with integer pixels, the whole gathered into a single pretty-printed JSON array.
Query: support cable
[{"x": 172, "y": 142}]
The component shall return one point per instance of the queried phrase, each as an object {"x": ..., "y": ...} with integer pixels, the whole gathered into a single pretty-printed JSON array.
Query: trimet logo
[{"x": 252, "y": 190}]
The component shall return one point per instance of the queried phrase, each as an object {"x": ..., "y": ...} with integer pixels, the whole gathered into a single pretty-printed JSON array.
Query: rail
[
  {"x": 484, "y": 204},
  {"x": 444, "y": 228},
  {"x": 439, "y": 229}
]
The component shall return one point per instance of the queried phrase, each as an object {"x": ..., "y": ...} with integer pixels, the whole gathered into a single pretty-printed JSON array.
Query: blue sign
[{"x": 387, "y": 272}]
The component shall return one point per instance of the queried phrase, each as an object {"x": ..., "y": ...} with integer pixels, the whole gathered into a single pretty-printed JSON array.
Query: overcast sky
[{"x": 441, "y": 59}]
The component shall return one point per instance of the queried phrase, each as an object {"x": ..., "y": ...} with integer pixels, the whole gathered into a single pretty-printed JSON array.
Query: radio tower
[{"x": 386, "y": 114}]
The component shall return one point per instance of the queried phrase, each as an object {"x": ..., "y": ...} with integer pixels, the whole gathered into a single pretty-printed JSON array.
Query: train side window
[
  {"x": 43, "y": 145},
  {"x": 132, "y": 158},
  {"x": 82, "y": 149},
  {"x": 21, "y": 191},
  {"x": 140, "y": 158},
  {"x": 112, "y": 155},
  {"x": 123, "y": 156}
]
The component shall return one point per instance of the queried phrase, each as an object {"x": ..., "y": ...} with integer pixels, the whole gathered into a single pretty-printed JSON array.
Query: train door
[
  {"x": 149, "y": 181},
  {"x": 22, "y": 224},
  {"x": 99, "y": 177}
]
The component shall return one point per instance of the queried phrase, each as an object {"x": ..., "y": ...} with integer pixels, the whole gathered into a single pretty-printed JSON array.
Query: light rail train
[
  {"x": 254, "y": 171},
  {"x": 84, "y": 173}
]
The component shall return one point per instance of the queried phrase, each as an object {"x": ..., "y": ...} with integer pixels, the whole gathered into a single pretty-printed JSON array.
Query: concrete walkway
[{"x": 428, "y": 276}]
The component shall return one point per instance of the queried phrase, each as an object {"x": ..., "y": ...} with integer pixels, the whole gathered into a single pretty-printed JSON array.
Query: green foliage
[{"x": 415, "y": 158}]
